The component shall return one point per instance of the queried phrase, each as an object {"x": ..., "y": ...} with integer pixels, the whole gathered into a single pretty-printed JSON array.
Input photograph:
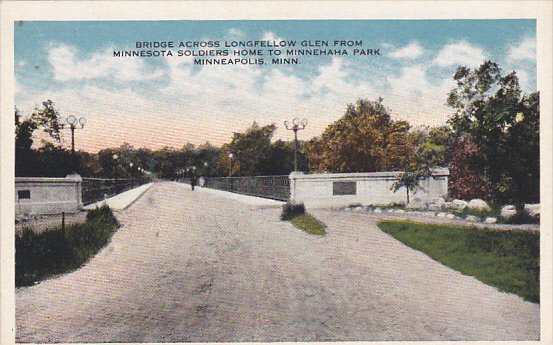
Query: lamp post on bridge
[
  {"x": 73, "y": 122},
  {"x": 132, "y": 175},
  {"x": 297, "y": 125},
  {"x": 116, "y": 162},
  {"x": 206, "y": 173},
  {"x": 231, "y": 156}
]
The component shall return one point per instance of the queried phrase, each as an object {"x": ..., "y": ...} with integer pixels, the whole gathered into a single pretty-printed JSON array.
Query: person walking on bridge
[{"x": 193, "y": 179}]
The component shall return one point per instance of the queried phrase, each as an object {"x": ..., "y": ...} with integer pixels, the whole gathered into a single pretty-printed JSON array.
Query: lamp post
[
  {"x": 206, "y": 173},
  {"x": 230, "y": 156},
  {"x": 73, "y": 122},
  {"x": 132, "y": 175},
  {"x": 297, "y": 125},
  {"x": 115, "y": 158}
]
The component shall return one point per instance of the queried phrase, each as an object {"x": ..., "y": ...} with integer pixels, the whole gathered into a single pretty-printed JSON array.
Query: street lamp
[
  {"x": 230, "y": 156},
  {"x": 297, "y": 125},
  {"x": 115, "y": 158},
  {"x": 132, "y": 175},
  {"x": 73, "y": 122}
]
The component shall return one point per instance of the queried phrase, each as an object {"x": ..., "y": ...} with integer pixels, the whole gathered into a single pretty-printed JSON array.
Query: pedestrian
[{"x": 193, "y": 181}]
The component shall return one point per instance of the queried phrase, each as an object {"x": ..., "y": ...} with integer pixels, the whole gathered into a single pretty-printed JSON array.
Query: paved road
[{"x": 195, "y": 266}]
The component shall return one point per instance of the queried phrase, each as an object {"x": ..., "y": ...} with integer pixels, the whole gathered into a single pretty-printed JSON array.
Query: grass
[
  {"x": 53, "y": 252},
  {"x": 507, "y": 260},
  {"x": 309, "y": 224}
]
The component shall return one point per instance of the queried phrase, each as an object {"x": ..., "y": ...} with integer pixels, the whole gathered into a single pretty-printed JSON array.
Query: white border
[{"x": 11, "y": 11}]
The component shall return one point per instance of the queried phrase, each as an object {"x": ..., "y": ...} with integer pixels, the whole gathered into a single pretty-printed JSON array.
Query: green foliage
[
  {"x": 48, "y": 118},
  {"x": 504, "y": 124},
  {"x": 508, "y": 260},
  {"x": 251, "y": 150},
  {"x": 364, "y": 139},
  {"x": 309, "y": 224},
  {"x": 52, "y": 252},
  {"x": 291, "y": 210}
]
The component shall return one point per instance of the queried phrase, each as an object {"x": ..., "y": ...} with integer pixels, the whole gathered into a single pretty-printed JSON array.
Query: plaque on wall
[{"x": 344, "y": 188}]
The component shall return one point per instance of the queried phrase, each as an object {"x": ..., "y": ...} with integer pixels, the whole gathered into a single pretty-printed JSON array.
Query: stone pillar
[
  {"x": 78, "y": 189},
  {"x": 293, "y": 184}
]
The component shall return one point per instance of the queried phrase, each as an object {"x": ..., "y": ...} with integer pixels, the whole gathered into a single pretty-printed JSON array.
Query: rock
[
  {"x": 430, "y": 214},
  {"x": 441, "y": 215},
  {"x": 450, "y": 216},
  {"x": 400, "y": 211},
  {"x": 377, "y": 210},
  {"x": 347, "y": 209},
  {"x": 448, "y": 205},
  {"x": 434, "y": 207},
  {"x": 479, "y": 204},
  {"x": 459, "y": 204},
  {"x": 508, "y": 211},
  {"x": 471, "y": 218},
  {"x": 359, "y": 208},
  {"x": 440, "y": 202},
  {"x": 416, "y": 203},
  {"x": 532, "y": 209},
  {"x": 490, "y": 220}
]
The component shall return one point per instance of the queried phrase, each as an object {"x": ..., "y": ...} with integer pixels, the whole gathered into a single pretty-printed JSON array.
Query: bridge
[{"x": 213, "y": 266}]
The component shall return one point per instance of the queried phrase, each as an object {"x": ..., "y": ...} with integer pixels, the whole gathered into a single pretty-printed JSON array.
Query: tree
[
  {"x": 48, "y": 118},
  {"x": 410, "y": 180},
  {"x": 24, "y": 129},
  {"x": 491, "y": 108},
  {"x": 467, "y": 179},
  {"x": 250, "y": 150},
  {"x": 364, "y": 139}
]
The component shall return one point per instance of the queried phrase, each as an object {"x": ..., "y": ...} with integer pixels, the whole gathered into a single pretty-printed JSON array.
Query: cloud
[
  {"x": 270, "y": 36},
  {"x": 200, "y": 103},
  {"x": 411, "y": 51},
  {"x": 418, "y": 97},
  {"x": 235, "y": 34},
  {"x": 460, "y": 53},
  {"x": 67, "y": 65},
  {"x": 524, "y": 51}
]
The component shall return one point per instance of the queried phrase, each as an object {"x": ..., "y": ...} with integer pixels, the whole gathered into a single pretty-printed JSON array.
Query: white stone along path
[{"x": 198, "y": 266}]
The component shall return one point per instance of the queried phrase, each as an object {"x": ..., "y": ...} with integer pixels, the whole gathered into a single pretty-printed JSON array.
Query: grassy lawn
[
  {"x": 309, "y": 224},
  {"x": 508, "y": 260},
  {"x": 52, "y": 252}
]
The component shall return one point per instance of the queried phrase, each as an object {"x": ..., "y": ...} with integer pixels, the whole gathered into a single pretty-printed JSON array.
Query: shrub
[
  {"x": 39, "y": 256},
  {"x": 522, "y": 217},
  {"x": 291, "y": 210}
]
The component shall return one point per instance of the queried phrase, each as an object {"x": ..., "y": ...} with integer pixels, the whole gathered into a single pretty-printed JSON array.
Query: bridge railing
[
  {"x": 97, "y": 189},
  {"x": 272, "y": 187}
]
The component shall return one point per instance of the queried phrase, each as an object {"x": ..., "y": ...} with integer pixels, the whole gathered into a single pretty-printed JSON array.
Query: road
[{"x": 198, "y": 267}]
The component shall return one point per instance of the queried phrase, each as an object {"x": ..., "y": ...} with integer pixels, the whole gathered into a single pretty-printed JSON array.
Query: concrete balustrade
[
  {"x": 47, "y": 195},
  {"x": 374, "y": 188}
]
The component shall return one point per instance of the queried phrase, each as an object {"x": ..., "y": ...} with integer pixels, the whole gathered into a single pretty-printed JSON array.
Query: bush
[
  {"x": 291, "y": 210},
  {"x": 522, "y": 217},
  {"x": 39, "y": 256}
]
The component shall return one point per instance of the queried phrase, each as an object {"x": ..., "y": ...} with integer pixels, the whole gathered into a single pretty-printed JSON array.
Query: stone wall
[
  {"x": 340, "y": 190},
  {"x": 47, "y": 195}
]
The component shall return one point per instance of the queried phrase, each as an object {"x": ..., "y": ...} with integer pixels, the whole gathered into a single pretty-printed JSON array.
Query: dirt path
[{"x": 197, "y": 267}]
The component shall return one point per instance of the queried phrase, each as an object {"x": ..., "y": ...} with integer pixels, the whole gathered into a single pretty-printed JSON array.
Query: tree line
[{"x": 490, "y": 144}]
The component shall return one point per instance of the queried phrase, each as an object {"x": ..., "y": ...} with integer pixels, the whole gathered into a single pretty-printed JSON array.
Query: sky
[{"x": 168, "y": 101}]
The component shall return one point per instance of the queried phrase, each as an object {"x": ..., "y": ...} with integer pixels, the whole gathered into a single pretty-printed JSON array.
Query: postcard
[{"x": 276, "y": 172}]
